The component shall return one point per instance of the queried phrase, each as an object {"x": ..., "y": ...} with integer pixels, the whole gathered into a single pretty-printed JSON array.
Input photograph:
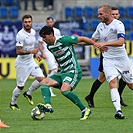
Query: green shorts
[{"x": 71, "y": 78}]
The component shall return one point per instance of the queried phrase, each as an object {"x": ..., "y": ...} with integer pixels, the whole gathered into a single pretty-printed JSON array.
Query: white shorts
[
  {"x": 23, "y": 71},
  {"x": 116, "y": 67}
]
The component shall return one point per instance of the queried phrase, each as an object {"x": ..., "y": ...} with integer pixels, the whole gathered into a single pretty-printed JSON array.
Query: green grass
[{"x": 65, "y": 119}]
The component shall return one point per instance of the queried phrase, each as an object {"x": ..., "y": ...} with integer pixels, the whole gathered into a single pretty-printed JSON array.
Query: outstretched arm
[
  {"x": 116, "y": 43},
  {"x": 85, "y": 41}
]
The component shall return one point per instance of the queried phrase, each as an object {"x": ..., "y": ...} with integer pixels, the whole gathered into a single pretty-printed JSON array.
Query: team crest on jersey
[
  {"x": 73, "y": 37},
  {"x": 105, "y": 39},
  {"x": 111, "y": 29},
  {"x": 36, "y": 67}
]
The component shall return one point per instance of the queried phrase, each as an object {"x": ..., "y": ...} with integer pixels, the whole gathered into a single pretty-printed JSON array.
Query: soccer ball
[{"x": 36, "y": 114}]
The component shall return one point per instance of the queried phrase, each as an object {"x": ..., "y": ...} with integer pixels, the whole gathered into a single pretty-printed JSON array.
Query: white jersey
[
  {"x": 25, "y": 64},
  {"x": 27, "y": 41},
  {"x": 109, "y": 33}
]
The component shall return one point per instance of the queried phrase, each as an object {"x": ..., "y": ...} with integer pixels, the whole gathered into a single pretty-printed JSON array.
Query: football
[{"x": 36, "y": 114}]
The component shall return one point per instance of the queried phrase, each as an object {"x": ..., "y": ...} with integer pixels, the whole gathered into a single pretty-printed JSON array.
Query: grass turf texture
[{"x": 66, "y": 117}]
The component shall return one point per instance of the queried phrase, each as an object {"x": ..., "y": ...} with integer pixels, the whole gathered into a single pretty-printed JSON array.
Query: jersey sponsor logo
[
  {"x": 111, "y": 29},
  {"x": 58, "y": 52}
]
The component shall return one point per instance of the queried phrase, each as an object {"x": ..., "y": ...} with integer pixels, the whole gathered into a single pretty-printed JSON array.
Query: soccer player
[
  {"x": 98, "y": 82},
  {"x": 46, "y": 54},
  {"x": 25, "y": 64},
  {"x": 71, "y": 73},
  {"x": 111, "y": 33}
]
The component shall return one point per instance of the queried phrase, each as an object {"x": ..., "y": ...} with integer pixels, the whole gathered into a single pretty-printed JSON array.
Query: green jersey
[{"x": 64, "y": 53}]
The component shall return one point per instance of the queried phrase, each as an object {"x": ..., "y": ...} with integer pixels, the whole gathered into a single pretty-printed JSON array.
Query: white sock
[
  {"x": 34, "y": 86},
  {"x": 84, "y": 110},
  {"x": 15, "y": 94},
  {"x": 115, "y": 98}
]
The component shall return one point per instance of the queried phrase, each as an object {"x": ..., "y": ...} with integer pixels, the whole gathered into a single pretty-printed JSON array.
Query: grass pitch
[{"x": 66, "y": 117}]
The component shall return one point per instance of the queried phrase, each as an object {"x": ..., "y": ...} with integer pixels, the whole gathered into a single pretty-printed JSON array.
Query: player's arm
[
  {"x": 118, "y": 42},
  {"x": 20, "y": 51},
  {"x": 41, "y": 49},
  {"x": 85, "y": 41}
]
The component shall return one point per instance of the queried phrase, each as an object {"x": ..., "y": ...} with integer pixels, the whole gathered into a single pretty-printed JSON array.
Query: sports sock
[
  {"x": 46, "y": 94},
  {"x": 15, "y": 94},
  {"x": 74, "y": 98},
  {"x": 122, "y": 85},
  {"x": 115, "y": 98},
  {"x": 34, "y": 86},
  {"x": 95, "y": 87}
]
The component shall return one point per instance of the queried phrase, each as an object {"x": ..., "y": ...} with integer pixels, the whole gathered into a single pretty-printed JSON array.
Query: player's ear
[{"x": 51, "y": 34}]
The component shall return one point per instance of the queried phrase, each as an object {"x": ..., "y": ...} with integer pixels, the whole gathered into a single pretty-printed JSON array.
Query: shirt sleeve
[
  {"x": 120, "y": 30},
  {"x": 70, "y": 40},
  {"x": 19, "y": 40},
  {"x": 96, "y": 34},
  {"x": 40, "y": 39}
]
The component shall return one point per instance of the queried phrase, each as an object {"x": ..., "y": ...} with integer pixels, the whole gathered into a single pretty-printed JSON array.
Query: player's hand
[
  {"x": 38, "y": 57},
  {"x": 100, "y": 46},
  {"x": 43, "y": 56}
]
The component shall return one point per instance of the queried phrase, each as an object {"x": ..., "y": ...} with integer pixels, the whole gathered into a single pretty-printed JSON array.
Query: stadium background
[{"x": 73, "y": 17}]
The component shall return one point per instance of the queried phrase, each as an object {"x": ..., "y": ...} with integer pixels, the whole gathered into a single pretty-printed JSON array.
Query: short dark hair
[
  {"x": 115, "y": 8},
  {"x": 26, "y": 16},
  {"x": 48, "y": 18},
  {"x": 46, "y": 30}
]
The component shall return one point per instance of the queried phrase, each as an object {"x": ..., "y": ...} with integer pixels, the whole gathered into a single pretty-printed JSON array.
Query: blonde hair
[{"x": 107, "y": 8}]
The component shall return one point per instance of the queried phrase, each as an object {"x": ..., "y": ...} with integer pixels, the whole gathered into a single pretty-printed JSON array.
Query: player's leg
[
  {"x": 36, "y": 72},
  {"x": 70, "y": 82},
  {"x": 27, "y": 94},
  {"x": 52, "y": 72},
  {"x": 112, "y": 74},
  {"x": 95, "y": 86},
  {"x": 52, "y": 67},
  {"x": 121, "y": 87},
  {"x": 47, "y": 107},
  {"x": 116, "y": 98},
  {"x": 97, "y": 83},
  {"x": 22, "y": 74}
]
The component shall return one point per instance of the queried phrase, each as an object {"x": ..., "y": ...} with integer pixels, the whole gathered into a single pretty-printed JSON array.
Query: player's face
[
  {"x": 27, "y": 23},
  {"x": 48, "y": 39},
  {"x": 50, "y": 23},
  {"x": 115, "y": 14},
  {"x": 102, "y": 15}
]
